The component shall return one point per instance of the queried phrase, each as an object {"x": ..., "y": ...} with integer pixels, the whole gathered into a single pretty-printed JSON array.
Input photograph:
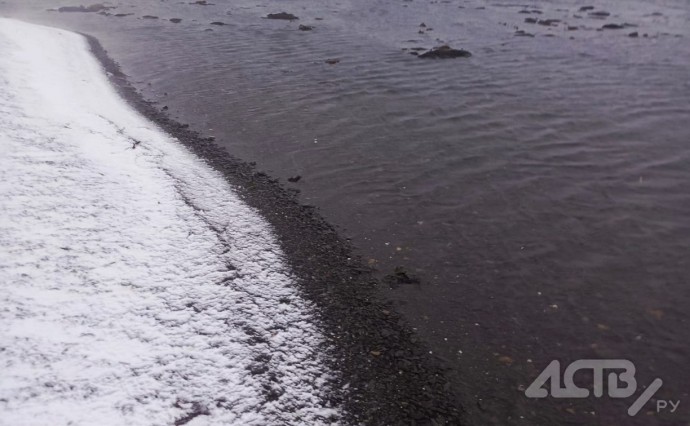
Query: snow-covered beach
[{"x": 137, "y": 287}]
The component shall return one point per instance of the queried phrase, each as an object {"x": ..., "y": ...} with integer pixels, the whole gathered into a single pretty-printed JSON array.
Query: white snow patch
[{"x": 136, "y": 288}]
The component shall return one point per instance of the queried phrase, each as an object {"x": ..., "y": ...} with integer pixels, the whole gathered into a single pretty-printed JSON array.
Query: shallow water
[{"x": 540, "y": 189}]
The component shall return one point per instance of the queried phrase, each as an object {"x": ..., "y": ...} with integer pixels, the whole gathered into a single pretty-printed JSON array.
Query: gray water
[{"x": 540, "y": 189}]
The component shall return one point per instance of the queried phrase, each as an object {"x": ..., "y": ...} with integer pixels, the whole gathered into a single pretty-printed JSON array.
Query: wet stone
[{"x": 445, "y": 52}]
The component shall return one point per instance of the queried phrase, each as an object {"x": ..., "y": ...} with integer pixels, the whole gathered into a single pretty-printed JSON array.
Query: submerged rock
[
  {"x": 445, "y": 52},
  {"x": 548, "y": 22},
  {"x": 400, "y": 276},
  {"x": 282, "y": 15},
  {"x": 599, "y": 14},
  {"x": 522, "y": 33}
]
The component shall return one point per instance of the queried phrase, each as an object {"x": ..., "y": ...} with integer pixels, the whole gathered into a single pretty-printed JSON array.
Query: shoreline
[
  {"x": 389, "y": 374},
  {"x": 139, "y": 288}
]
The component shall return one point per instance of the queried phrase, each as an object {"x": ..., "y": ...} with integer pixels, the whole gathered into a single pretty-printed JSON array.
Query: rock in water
[
  {"x": 613, "y": 27},
  {"x": 282, "y": 15},
  {"x": 445, "y": 52},
  {"x": 599, "y": 14}
]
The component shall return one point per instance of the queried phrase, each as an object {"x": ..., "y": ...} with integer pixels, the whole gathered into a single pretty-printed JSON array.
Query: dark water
[{"x": 540, "y": 189}]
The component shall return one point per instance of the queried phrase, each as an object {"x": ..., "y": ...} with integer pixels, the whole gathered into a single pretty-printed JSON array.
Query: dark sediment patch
[
  {"x": 149, "y": 17},
  {"x": 445, "y": 52},
  {"x": 218, "y": 23},
  {"x": 305, "y": 27},
  {"x": 175, "y": 20},
  {"x": 386, "y": 375}
]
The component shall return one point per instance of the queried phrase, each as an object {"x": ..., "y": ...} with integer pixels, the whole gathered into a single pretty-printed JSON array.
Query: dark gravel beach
[{"x": 466, "y": 190}]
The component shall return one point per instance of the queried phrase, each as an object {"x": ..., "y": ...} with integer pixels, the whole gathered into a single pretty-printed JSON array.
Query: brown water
[{"x": 540, "y": 189}]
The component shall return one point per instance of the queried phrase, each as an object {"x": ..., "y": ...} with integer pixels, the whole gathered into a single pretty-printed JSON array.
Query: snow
[{"x": 136, "y": 288}]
